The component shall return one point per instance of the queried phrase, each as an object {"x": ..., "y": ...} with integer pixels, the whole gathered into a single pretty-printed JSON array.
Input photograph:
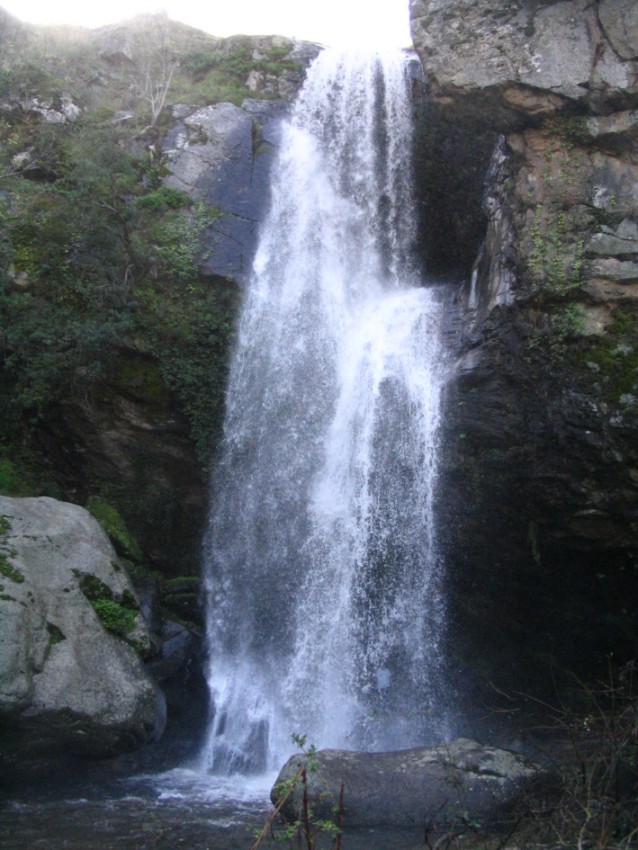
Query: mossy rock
[
  {"x": 611, "y": 362},
  {"x": 111, "y": 521},
  {"x": 7, "y": 569},
  {"x": 183, "y": 606},
  {"x": 140, "y": 377},
  {"x": 181, "y": 584},
  {"x": 115, "y": 617},
  {"x": 118, "y": 613}
]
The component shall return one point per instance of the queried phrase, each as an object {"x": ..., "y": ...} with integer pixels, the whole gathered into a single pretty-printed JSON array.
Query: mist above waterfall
[{"x": 322, "y": 575}]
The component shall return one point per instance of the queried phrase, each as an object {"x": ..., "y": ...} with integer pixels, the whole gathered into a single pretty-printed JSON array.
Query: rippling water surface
[{"x": 181, "y": 808}]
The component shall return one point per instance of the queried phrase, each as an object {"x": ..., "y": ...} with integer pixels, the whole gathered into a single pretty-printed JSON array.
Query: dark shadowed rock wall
[{"x": 539, "y": 503}]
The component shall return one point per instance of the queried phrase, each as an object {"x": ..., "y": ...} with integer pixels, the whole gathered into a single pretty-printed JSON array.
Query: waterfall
[{"x": 322, "y": 577}]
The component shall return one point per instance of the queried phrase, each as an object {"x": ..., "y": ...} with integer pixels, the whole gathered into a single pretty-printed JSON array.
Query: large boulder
[
  {"x": 462, "y": 781},
  {"x": 71, "y": 678}
]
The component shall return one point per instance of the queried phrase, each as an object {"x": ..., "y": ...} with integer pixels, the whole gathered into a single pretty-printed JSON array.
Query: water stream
[{"x": 322, "y": 575}]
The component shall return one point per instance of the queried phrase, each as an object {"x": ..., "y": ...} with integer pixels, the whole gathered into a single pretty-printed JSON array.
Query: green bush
[
  {"x": 10, "y": 480},
  {"x": 96, "y": 255}
]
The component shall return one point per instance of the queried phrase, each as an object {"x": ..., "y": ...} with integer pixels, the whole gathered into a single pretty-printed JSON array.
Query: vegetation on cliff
[{"x": 106, "y": 318}]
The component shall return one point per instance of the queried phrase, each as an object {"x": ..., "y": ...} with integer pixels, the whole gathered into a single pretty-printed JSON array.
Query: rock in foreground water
[{"x": 462, "y": 781}]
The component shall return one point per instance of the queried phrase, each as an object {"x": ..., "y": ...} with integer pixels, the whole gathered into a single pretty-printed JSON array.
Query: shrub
[{"x": 595, "y": 751}]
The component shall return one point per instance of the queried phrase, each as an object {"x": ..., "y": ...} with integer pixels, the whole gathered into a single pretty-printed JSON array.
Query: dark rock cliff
[{"x": 539, "y": 503}]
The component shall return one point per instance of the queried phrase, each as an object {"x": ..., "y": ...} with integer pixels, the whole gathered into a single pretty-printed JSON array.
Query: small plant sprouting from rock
[
  {"x": 572, "y": 129},
  {"x": 306, "y": 830},
  {"x": 555, "y": 265},
  {"x": 111, "y": 521}
]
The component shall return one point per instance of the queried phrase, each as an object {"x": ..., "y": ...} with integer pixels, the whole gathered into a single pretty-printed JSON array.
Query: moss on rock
[{"x": 111, "y": 521}]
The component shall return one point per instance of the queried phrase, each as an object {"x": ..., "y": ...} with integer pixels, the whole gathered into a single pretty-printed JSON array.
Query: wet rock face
[
  {"x": 223, "y": 154},
  {"x": 72, "y": 682},
  {"x": 418, "y": 788},
  {"x": 452, "y": 157},
  {"x": 539, "y": 507}
]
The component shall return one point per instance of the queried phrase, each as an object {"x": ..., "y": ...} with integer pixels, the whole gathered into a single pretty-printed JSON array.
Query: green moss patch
[
  {"x": 118, "y": 616},
  {"x": 7, "y": 569},
  {"x": 10, "y": 572},
  {"x": 114, "y": 616},
  {"x": 141, "y": 378},
  {"x": 111, "y": 521},
  {"x": 56, "y": 634},
  {"x": 612, "y": 361}
]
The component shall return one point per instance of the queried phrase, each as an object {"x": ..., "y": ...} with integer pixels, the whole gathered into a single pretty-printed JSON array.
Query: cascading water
[{"x": 322, "y": 581}]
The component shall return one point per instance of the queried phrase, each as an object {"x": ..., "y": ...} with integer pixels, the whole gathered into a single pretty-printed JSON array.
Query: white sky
[{"x": 377, "y": 23}]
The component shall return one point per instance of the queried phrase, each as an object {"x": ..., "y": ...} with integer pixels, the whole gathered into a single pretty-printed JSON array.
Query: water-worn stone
[
  {"x": 67, "y": 685},
  {"x": 462, "y": 781}
]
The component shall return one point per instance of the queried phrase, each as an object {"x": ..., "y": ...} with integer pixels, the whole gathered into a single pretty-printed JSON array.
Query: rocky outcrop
[
  {"x": 426, "y": 788},
  {"x": 540, "y": 510},
  {"x": 518, "y": 60},
  {"x": 222, "y": 154},
  {"x": 71, "y": 634}
]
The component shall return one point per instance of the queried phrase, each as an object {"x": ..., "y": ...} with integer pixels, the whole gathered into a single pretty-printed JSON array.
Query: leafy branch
[{"x": 306, "y": 829}]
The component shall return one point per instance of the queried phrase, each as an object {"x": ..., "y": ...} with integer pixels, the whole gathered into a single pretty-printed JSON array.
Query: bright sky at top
[{"x": 358, "y": 23}]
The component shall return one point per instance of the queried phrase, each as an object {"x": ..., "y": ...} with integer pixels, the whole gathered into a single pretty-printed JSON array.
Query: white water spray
[{"x": 322, "y": 576}]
